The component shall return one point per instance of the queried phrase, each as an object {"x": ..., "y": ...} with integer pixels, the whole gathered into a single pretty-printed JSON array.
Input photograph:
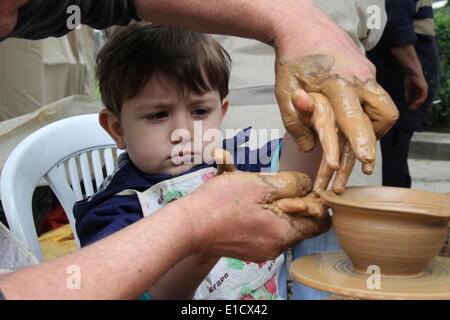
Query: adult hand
[
  {"x": 8, "y": 15},
  {"x": 415, "y": 84},
  {"x": 254, "y": 216},
  {"x": 316, "y": 111},
  {"x": 335, "y": 68}
]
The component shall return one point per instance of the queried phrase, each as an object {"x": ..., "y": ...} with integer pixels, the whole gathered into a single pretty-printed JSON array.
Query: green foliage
[{"x": 438, "y": 119}]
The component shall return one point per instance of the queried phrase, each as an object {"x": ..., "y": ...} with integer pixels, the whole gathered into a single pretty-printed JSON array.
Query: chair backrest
[{"x": 57, "y": 153}]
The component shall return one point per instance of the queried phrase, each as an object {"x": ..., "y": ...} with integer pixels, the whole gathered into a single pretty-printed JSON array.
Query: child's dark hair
[{"x": 135, "y": 52}]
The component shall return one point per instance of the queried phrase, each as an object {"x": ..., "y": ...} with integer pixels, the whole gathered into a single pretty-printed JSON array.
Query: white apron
[{"x": 230, "y": 279}]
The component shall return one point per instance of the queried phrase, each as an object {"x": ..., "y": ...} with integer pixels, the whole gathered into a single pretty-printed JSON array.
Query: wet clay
[
  {"x": 291, "y": 197},
  {"x": 395, "y": 231},
  {"x": 399, "y": 230},
  {"x": 332, "y": 272},
  {"x": 323, "y": 74}
]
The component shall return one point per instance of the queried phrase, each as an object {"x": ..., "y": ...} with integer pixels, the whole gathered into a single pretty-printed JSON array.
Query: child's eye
[
  {"x": 201, "y": 111},
  {"x": 156, "y": 116}
]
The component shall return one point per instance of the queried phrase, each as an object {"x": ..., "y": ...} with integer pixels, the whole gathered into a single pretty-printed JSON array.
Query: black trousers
[{"x": 394, "y": 153}]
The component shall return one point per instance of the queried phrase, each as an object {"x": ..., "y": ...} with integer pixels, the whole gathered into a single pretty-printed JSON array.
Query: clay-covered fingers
[
  {"x": 324, "y": 122},
  {"x": 287, "y": 184},
  {"x": 323, "y": 178},
  {"x": 308, "y": 206},
  {"x": 286, "y": 91},
  {"x": 291, "y": 205},
  {"x": 224, "y": 160},
  {"x": 325, "y": 172},
  {"x": 368, "y": 167},
  {"x": 309, "y": 213},
  {"x": 347, "y": 163},
  {"x": 315, "y": 207},
  {"x": 348, "y": 160},
  {"x": 380, "y": 108},
  {"x": 310, "y": 227},
  {"x": 349, "y": 115}
]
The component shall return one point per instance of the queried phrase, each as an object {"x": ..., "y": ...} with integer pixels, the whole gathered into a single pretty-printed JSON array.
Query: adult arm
[
  {"x": 415, "y": 83},
  {"x": 39, "y": 19},
  {"x": 120, "y": 266},
  {"x": 224, "y": 217},
  {"x": 400, "y": 38}
]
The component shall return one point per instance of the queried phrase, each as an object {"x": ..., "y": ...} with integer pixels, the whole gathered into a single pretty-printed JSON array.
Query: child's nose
[
  {"x": 182, "y": 122},
  {"x": 184, "y": 128}
]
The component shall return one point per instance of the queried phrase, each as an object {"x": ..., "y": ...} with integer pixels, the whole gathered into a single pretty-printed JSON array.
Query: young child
[{"x": 159, "y": 84}]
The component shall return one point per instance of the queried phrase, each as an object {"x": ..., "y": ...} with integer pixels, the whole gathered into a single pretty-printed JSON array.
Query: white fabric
[
  {"x": 13, "y": 131},
  {"x": 13, "y": 254},
  {"x": 36, "y": 73},
  {"x": 230, "y": 279}
]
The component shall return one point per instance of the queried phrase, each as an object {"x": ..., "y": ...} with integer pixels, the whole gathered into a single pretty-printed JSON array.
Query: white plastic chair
[{"x": 55, "y": 152}]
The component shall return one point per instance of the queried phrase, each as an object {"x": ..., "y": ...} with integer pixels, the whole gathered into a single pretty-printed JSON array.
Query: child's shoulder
[
  {"x": 125, "y": 176},
  {"x": 252, "y": 159}
]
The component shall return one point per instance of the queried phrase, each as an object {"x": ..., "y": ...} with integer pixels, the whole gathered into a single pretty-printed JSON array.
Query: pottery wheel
[{"x": 332, "y": 272}]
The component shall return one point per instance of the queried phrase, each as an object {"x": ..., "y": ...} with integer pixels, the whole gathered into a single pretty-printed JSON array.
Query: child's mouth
[{"x": 183, "y": 158}]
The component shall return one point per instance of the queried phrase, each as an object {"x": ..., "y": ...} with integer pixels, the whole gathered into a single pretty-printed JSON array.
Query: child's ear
[
  {"x": 109, "y": 121},
  {"x": 224, "y": 107}
]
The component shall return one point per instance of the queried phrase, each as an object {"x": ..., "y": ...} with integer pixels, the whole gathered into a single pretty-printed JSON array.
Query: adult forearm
[
  {"x": 263, "y": 20},
  {"x": 407, "y": 56},
  {"x": 121, "y": 266}
]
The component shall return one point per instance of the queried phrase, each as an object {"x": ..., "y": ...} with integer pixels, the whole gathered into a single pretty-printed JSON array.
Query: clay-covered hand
[
  {"x": 335, "y": 68},
  {"x": 316, "y": 112},
  {"x": 227, "y": 217},
  {"x": 337, "y": 156},
  {"x": 291, "y": 197},
  {"x": 347, "y": 162}
]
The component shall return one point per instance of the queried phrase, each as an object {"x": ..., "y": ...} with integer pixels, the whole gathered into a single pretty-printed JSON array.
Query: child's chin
[{"x": 176, "y": 170}]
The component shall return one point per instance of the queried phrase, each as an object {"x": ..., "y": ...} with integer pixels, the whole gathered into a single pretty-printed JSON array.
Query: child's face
[{"x": 148, "y": 121}]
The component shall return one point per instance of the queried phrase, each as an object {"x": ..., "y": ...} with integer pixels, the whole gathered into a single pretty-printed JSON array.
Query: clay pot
[{"x": 399, "y": 230}]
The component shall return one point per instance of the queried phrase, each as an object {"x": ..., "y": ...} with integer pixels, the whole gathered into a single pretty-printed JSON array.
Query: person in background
[{"x": 407, "y": 61}]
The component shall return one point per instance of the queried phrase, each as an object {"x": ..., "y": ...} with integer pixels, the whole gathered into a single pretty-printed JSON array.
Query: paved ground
[
  {"x": 430, "y": 161},
  {"x": 430, "y": 175}
]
